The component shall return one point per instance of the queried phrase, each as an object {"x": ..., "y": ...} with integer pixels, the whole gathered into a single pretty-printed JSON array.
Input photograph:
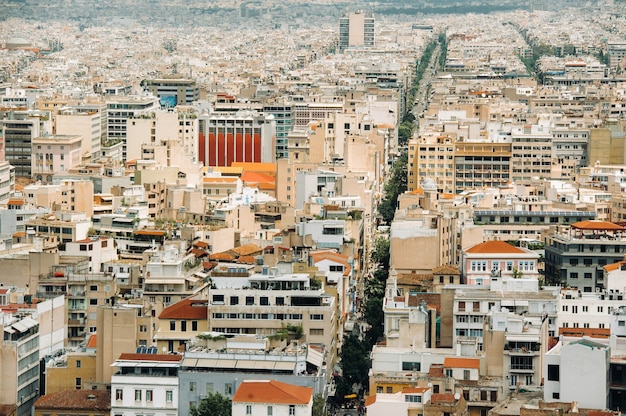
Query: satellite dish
[{"x": 457, "y": 396}]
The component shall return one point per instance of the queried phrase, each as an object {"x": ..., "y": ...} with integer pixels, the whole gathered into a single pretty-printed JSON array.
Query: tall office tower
[
  {"x": 283, "y": 114},
  {"x": 120, "y": 110},
  {"x": 173, "y": 91},
  {"x": 356, "y": 30},
  {"x": 244, "y": 136},
  {"x": 17, "y": 132}
]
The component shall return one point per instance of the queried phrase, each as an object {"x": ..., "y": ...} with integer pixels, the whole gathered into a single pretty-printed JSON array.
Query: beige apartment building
[{"x": 53, "y": 154}]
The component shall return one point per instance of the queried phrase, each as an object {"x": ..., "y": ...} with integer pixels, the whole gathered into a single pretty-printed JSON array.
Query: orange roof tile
[
  {"x": 442, "y": 398},
  {"x": 596, "y": 225},
  {"x": 95, "y": 400},
  {"x": 495, "y": 247},
  {"x": 614, "y": 266},
  {"x": 92, "y": 341},
  {"x": 257, "y": 177},
  {"x": 457, "y": 362},
  {"x": 222, "y": 256},
  {"x": 246, "y": 260},
  {"x": 370, "y": 400},
  {"x": 256, "y": 167},
  {"x": 272, "y": 391},
  {"x": 15, "y": 201},
  {"x": 189, "y": 308},
  {"x": 247, "y": 249},
  {"x": 332, "y": 256},
  {"x": 415, "y": 389}
]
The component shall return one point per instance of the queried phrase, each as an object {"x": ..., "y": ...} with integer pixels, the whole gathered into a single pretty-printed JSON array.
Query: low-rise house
[{"x": 270, "y": 397}]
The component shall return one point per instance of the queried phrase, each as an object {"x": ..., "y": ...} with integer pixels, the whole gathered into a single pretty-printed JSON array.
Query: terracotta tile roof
[
  {"x": 370, "y": 400},
  {"x": 250, "y": 177},
  {"x": 436, "y": 370},
  {"x": 15, "y": 201},
  {"x": 222, "y": 256},
  {"x": 246, "y": 260},
  {"x": 415, "y": 389},
  {"x": 201, "y": 244},
  {"x": 220, "y": 180},
  {"x": 208, "y": 265},
  {"x": 3, "y": 291},
  {"x": 247, "y": 250},
  {"x": 332, "y": 256},
  {"x": 442, "y": 398},
  {"x": 596, "y": 225},
  {"x": 150, "y": 357},
  {"x": 495, "y": 247},
  {"x": 614, "y": 266},
  {"x": 8, "y": 409},
  {"x": 19, "y": 234},
  {"x": 413, "y": 278},
  {"x": 92, "y": 341},
  {"x": 198, "y": 252},
  {"x": 99, "y": 400},
  {"x": 189, "y": 308},
  {"x": 457, "y": 362},
  {"x": 272, "y": 391},
  {"x": 446, "y": 270}
]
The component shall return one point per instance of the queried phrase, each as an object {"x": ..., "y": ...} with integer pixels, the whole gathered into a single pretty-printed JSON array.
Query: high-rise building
[
  {"x": 17, "y": 132},
  {"x": 356, "y": 30},
  {"x": 88, "y": 121}
]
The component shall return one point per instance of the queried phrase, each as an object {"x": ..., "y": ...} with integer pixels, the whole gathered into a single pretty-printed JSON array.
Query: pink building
[
  {"x": 51, "y": 154},
  {"x": 497, "y": 259}
]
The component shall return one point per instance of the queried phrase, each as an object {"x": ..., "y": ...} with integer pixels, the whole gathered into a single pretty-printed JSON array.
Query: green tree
[
  {"x": 380, "y": 253},
  {"x": 374, "y": 316},
  {"x": 213, "y": 405},
  {"x": 354, "y": 360},
  {"x": 319, "y": 405}
]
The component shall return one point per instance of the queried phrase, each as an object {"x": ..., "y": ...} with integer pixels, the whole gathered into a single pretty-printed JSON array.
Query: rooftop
[{"x": 272, "y": 391}]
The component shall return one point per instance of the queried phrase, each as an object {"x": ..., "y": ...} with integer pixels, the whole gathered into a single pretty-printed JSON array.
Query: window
[
  {"x": 248, "y": 409},
  {"x": 169, "y": 396},
  {"x": 93, "y": 288},
  {"x": 316, "y": 317},
  {"x": 461, "y": 306},
  {"x": 148, "y": 395},
  {"x": 194, "y": 325},
  {"x": 79, "y": 383},
  {"x": 192, "y": 386},
  {"x": 410, "y": 366},
  {"x": 270, "y": 410},
  {"x": 119, "y": 394},
  {"x": 556, "y": 396},
  {"x": 143, "y": 328},
  {"x": 228, "y": 389},
  {"x": 379, "y": 389},
  {"x": 263, "y": 300},
  {"x": 234, "y": 300},
  {"x": 93, "y": 301},
  {"x": 78, "y": 364},
  {"x": 412, "y": 398},
  {"x": 389, "y": 389},
  {"x": 292, "y": 409},
  {"x": 466, "y": 374},
  {"x": 137, "y": 395},
  {"x": 183, "y": 326},
  {"x": 249, "y": 300},
  {"x": 172, "y": 325}
]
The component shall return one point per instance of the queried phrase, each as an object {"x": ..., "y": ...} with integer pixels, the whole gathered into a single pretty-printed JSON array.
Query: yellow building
[
  {"x": 75, "y": 371},
  {"x": 181, "y": 322}
]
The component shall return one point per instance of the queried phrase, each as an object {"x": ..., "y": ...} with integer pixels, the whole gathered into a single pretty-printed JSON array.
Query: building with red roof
[
  {"x": 270, "y": 397},
  {"x": 74, "y": 402},
  {"x": 181, "y": 322},
  {"x": 497, "y": 259}
]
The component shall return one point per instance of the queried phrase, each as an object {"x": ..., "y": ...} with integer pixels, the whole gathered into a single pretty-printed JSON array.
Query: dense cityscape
[{"x": 254, "y": 207}]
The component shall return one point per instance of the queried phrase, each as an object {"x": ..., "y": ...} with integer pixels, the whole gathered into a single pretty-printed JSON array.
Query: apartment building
[
  {"x": 120, "y": 110},
  {"x": 283, "y": 115},
  {"x": 173, "y": 91},
  {"x": 576, "y": 254},
  {"x": 356, "y": 30},
  {"x": 262, "y": 303},
  {"x": 53, "y": 154},
  {"x": 19, "y": 130},
  {"x": 145, "y": 383},
  {"x": 272, "y": 397},
  {"x": 19, "y": 359},
  {"x": 566, "y": 365},
  {"x": 531, "y": 153},
  {"x": 88, "y": 122}
]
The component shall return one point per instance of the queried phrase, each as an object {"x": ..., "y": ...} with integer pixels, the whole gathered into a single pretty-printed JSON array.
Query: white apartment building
[
  {"x": 120, "y": 110},
  {"x": 271, "y": 397},
  {"x": 145, "y": 383},
  {"x": 587, "y": 310},
  {"x": 578, "y": 372},
  {"x": 87, "y": 123}
]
